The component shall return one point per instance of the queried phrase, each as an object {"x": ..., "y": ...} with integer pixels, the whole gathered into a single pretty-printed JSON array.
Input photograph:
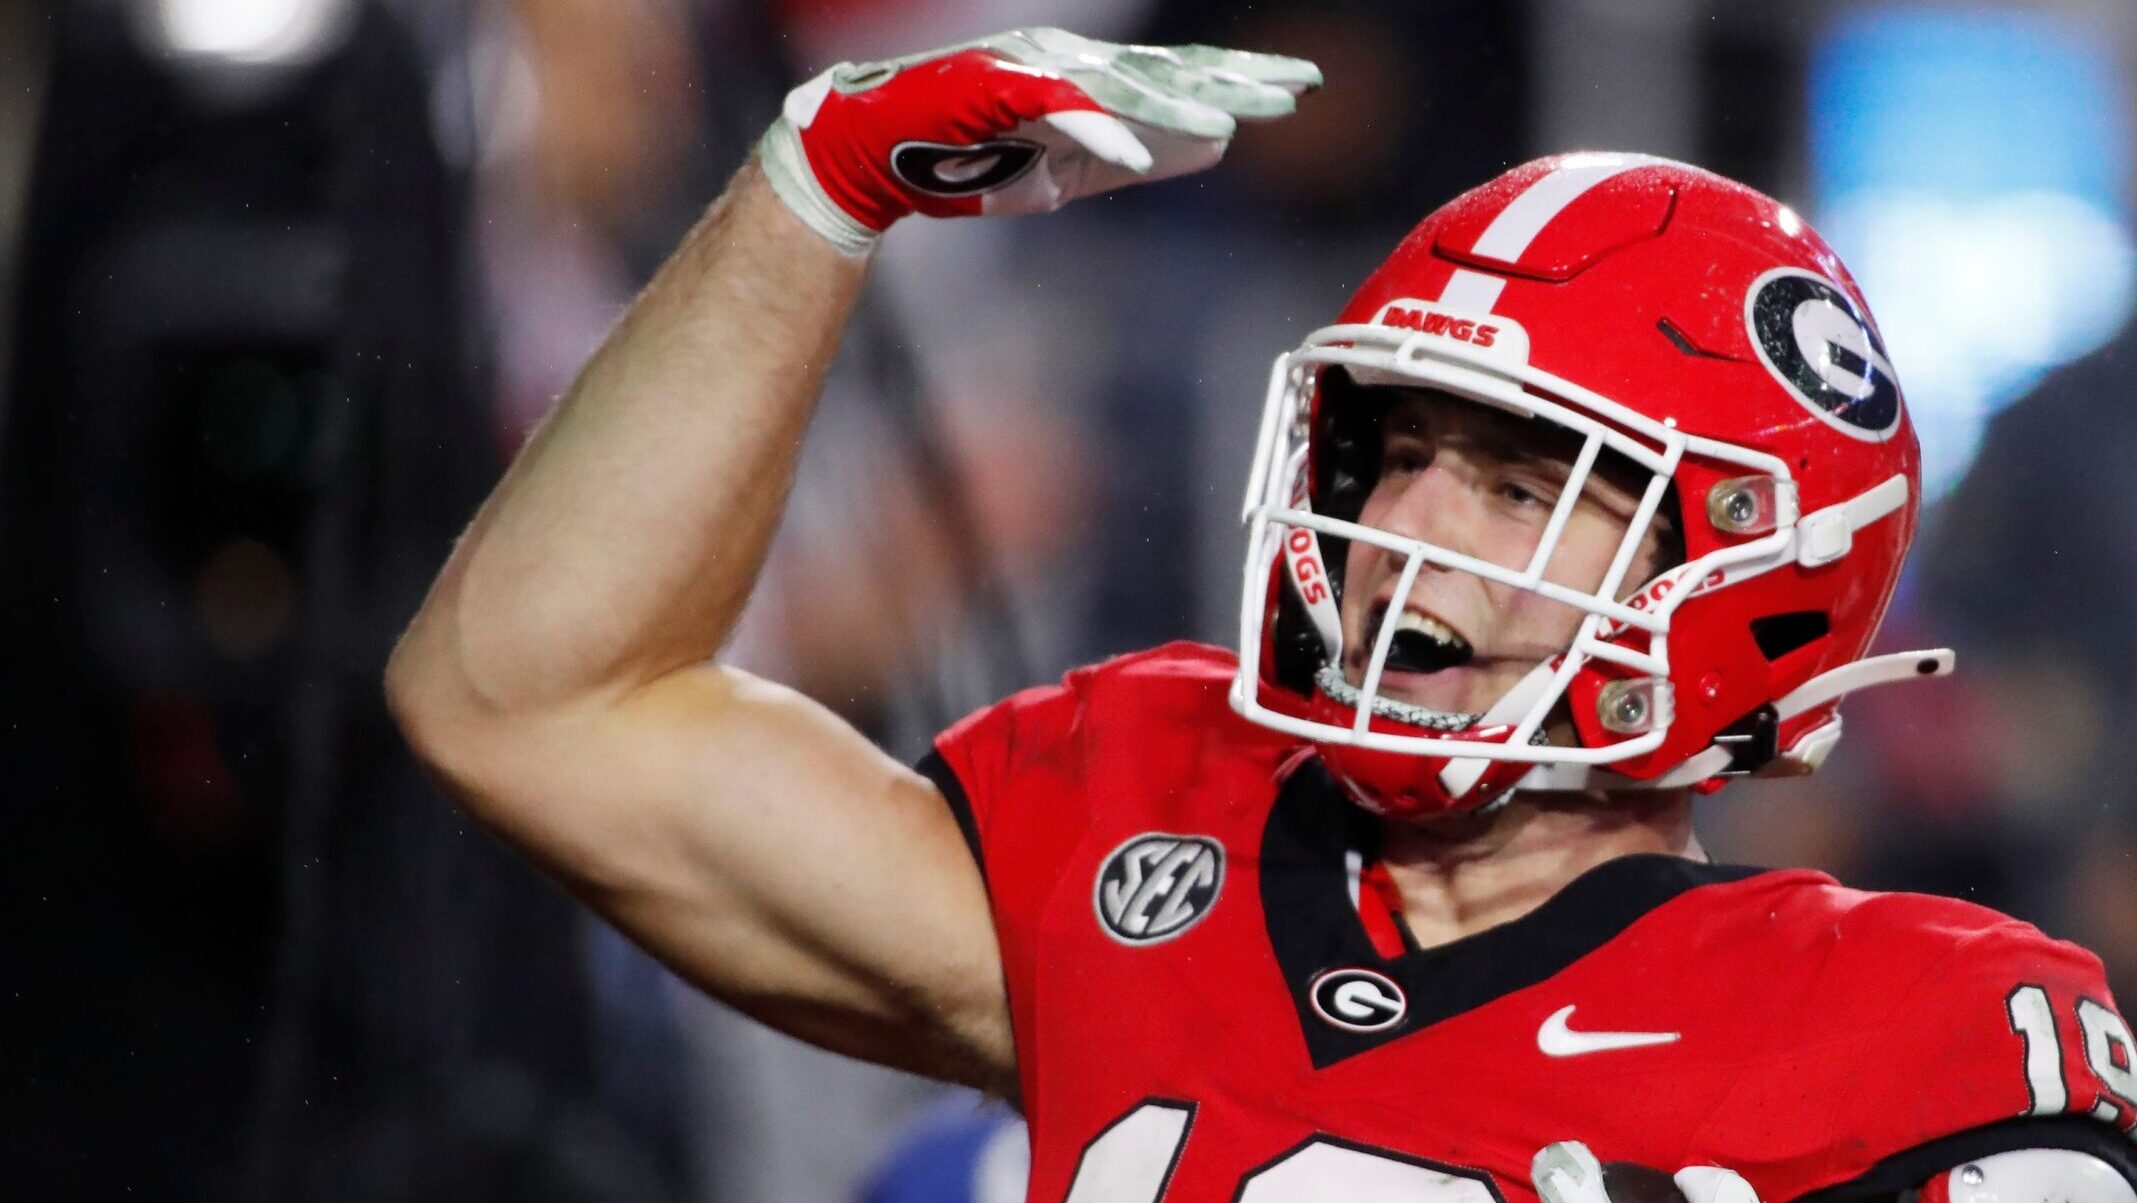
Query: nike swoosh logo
[{"x": 1556, "y": 1039}]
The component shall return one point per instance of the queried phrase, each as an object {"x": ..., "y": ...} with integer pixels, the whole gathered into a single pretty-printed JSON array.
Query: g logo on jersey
[
  {"x": 1358, "y": 1000},
  {"x": 1814, "y": 341},
  {"x": 1156, "y": 886},
  {"x": 941, "y": 170}
]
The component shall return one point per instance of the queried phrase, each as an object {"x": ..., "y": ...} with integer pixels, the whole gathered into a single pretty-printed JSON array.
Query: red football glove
[{"x": 1022, "y": 122}]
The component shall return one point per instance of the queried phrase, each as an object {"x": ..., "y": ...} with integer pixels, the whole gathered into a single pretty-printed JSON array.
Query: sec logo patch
[{"x": 1157, "y": 885}]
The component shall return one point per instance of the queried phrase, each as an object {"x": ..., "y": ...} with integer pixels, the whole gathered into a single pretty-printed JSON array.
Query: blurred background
[{"x": 286, "y": 281}]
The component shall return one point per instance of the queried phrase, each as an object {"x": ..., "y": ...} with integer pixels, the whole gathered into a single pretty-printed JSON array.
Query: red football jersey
[{"x": 1212, "y": 1003}]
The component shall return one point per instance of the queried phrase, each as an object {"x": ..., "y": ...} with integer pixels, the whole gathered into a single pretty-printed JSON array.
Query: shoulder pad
[{"x": 2032, "y": 1176}]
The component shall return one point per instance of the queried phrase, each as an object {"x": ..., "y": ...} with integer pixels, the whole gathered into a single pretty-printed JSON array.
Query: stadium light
[
  {"x": 247, "y": 33},
  {"x": 1993, "y": 238}
]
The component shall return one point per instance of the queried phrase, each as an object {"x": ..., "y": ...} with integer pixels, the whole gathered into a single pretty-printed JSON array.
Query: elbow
[
  {"x": 490, "y": 761},
  {"x": 430, "y": 709},
  {"x": 407, "y": 694},
  {"x": 441, "y": 737}
]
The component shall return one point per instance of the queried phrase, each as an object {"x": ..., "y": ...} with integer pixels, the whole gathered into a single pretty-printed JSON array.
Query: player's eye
[
  {"x": 1405, "y": 456},
  {"x": 1526, "y": 494}
]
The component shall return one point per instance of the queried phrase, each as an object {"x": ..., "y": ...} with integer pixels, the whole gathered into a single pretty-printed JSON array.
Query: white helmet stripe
[
  {"x": 1508, "y": 236},
  {"x": 1471, "y": 292}
]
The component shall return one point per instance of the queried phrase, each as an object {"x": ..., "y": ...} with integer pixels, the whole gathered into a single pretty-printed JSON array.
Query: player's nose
[{"x": 1439, "y": 504}]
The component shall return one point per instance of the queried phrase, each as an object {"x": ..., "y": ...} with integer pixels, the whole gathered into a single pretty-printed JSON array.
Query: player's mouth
[
  {"x": 1424, "y": 682},
  {"x": 1422, "y": 644}
]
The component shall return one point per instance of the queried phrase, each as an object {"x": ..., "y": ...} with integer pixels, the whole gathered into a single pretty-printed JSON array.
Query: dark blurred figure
[
  {"x": 2032, "y": 565},
  {"x": 251, "y": 954},
  {"x": 282, "y": 308}
]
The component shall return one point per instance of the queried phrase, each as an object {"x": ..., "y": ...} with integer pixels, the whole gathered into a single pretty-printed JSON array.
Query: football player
[{"x": 1589, "y": 501}]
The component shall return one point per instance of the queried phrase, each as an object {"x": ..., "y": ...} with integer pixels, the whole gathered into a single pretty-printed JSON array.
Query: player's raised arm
[{"x": 559, "y": 679}]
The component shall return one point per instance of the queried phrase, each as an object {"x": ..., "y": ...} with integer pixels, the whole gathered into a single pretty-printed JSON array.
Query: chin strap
[
  {"x": 1861, "y": 674},
  {"x": 1461, "y": 776},
  {"x": 1806, "y": 754}
]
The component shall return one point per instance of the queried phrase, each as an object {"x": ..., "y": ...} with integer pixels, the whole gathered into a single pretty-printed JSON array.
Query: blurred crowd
[{"x": 285, "y": 296}]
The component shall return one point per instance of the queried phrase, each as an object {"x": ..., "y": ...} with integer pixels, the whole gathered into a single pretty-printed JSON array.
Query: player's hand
[
  {"x": 1567, "y": 1172},
  {"x": 1021, "y": 122}
]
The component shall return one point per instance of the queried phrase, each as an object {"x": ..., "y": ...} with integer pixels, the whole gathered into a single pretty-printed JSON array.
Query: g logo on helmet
[{"x": 1810, "y": 335}]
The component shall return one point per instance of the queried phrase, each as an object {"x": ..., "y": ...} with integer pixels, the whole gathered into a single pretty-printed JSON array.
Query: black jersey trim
[
  {"x": 937, "y": 769},
  {"x": 1313, "y": 928},
  {"x": 933, "y": 767},
  {"x": 1904, "y": 1171}
]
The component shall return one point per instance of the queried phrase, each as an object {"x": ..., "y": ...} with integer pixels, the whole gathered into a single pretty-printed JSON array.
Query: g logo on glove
[{"x": 940, "y": 170}]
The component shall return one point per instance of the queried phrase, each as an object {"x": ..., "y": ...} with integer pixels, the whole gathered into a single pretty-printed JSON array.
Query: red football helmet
[{"x": 1673, "y": 321}]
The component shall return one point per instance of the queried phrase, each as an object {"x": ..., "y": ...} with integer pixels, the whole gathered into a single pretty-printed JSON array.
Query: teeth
[{"x": 1431, "y": 628}]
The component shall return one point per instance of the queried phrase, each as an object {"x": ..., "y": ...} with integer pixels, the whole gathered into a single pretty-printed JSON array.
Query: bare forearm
[
  {"x": 555, "y": 678},
  {"x": 626, "y": 537}
]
